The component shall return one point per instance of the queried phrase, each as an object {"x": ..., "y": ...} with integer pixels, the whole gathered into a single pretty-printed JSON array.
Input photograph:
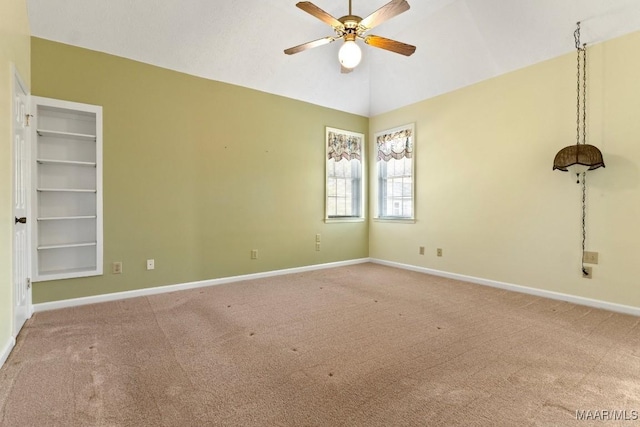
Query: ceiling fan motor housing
[{"x": 350, "y": 28}]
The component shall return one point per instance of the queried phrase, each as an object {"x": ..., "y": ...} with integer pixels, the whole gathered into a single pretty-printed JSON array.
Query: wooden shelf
[
  {"x": 58, "y": 134},
  {"x": 59, "y": 218},
  {"x": 66, "y": 245},
  {"x": 65, "y": 162},
  {"x": 67, "y": 190}
]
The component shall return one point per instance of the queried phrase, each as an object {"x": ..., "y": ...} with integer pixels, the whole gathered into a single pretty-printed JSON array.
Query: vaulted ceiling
[{"x": 459, "y": 42}]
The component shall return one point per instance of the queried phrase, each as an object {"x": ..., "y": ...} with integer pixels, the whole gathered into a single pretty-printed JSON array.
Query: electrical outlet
[
  {"x": 421, "y": 250},
  {"x": 116, "y": 267},
  {"x": 318, "y": 238},
  {"x": 254, "y": 254},
  {"x": 317, "y": 246},
  {"x": 151, "y": 264},
  {"x": 589, "y": 274},
  {"x": 439, "y": 252},
  {"x": 590, "y": 257}
]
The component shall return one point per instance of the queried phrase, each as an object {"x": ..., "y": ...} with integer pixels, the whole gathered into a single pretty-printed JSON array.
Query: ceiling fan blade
[
  {"x": 392, "y": 45},
  {"x": 309, "y": 45},
  {"x": 386, "y": 12},
  {"x": 314, "y": 10}
]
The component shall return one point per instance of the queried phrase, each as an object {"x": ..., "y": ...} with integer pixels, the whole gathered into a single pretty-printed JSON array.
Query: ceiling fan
[{"x": 351, "y": 27}]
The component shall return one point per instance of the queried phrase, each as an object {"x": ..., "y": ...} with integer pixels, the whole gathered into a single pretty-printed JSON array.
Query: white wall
[{"x": 486, "y": 192}]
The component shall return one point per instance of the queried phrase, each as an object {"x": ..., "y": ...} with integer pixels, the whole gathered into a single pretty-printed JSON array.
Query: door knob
[{"x": 22, "y": 220}]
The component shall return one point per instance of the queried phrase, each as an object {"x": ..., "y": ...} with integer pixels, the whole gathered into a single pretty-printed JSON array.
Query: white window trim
[
  {"x": 376, "y": 193},
  {"x": 335, "y": 219},
  {"x": 396, "y": 220}
]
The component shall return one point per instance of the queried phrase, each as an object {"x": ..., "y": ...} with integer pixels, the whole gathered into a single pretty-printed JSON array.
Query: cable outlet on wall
[
  {"x": 151, "y": 264},
  {"x": 439, "y": 252},
  {"x": 116, "y": 267},
  {"x": 421, "y": 250},
  {"x": 589, "y": 274},
  {"x": 254, "y": 254},
  {"x": 590, "y": 257}
]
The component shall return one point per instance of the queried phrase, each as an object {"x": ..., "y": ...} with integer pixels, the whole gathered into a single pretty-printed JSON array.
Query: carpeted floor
[{"x": 364, "y": 345}]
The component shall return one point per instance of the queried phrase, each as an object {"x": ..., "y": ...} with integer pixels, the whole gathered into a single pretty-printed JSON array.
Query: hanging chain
[
  {"x": 576, "y": 36},
  {"x": 584, "y": 219},
  {"x": 581, "y": 52},
  {"x": 584, "y": 93},
  {"x": 584, "y": 141},
  {"x": 582, "y": 49}
]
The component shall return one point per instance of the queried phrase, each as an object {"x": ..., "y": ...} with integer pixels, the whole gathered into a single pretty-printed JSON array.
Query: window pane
[
  {"x": 331, "y": 206},
  {"x": 397, "y": 187},
  {"x": 339, "y": 170},
  {"x": 406, "y": 187},
  {"x": 407, "y": 207},
  {"x": 341, "y": 187},
  {"x": 331, "y": 187},
  {"x": 395, "y": 172},
  {"x": 344, "y": 176}
]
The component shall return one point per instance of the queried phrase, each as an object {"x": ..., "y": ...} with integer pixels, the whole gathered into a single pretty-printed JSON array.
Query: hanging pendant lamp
[{"x": 581, "y": 157}]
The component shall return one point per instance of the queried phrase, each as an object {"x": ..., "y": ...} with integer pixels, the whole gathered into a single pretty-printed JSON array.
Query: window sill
[
  {"x": 344, "y": 219},
  {"x": 396, "y": 220}
]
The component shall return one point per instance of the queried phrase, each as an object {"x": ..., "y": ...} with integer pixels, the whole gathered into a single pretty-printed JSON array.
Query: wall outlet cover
[
  {"x": 116, "y": 267},
  {"x": 590, "y": 257}
]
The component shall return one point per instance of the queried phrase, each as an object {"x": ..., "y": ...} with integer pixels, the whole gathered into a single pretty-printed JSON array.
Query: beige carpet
[{"x": 364, "y": 345}]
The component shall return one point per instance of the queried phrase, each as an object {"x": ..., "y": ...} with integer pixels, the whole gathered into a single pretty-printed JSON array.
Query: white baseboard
[
  {"x": 74, "y": 302},
  {"x": 619, "y": 308},
  {"x": 5, "y": 351}
]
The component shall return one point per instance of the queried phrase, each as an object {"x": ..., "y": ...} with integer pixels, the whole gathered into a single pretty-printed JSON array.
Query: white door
[{"x": 21, "y": 249}]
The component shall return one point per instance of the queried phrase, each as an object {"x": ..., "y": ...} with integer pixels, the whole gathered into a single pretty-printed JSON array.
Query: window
[
  {"x": 395, "y": 170},
  {"x": 344, "y": 167}
]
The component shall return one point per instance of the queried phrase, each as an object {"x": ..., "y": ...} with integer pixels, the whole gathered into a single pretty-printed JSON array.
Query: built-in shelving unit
[{"x": 67, "y": 189}]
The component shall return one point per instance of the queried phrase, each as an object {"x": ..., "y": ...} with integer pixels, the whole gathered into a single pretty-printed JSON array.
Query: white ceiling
[{"x": 459, "y": 42}]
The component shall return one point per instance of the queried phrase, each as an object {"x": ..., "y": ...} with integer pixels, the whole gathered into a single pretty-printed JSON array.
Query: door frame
[{"x": 17, "y": 81}]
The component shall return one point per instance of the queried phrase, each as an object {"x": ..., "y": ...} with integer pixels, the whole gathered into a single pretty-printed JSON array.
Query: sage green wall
[
  {"x": 486, "y": 193},
  {"x": 14, "y": 49},
  {"x": 197, "y": 173}
]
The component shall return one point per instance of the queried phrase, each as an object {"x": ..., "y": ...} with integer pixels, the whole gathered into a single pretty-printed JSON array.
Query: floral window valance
[
  {"x": 395, "y": 145},
  {"x": 343, "y": 146}
]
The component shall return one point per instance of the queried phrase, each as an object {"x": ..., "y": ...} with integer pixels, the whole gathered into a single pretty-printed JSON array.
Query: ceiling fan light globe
[{"x": 349, "y": 54}]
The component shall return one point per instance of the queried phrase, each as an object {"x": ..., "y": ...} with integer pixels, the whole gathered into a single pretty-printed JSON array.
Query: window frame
[
  {"x": 360, "y": 198},
  {"x": 380, "y": 198}
]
